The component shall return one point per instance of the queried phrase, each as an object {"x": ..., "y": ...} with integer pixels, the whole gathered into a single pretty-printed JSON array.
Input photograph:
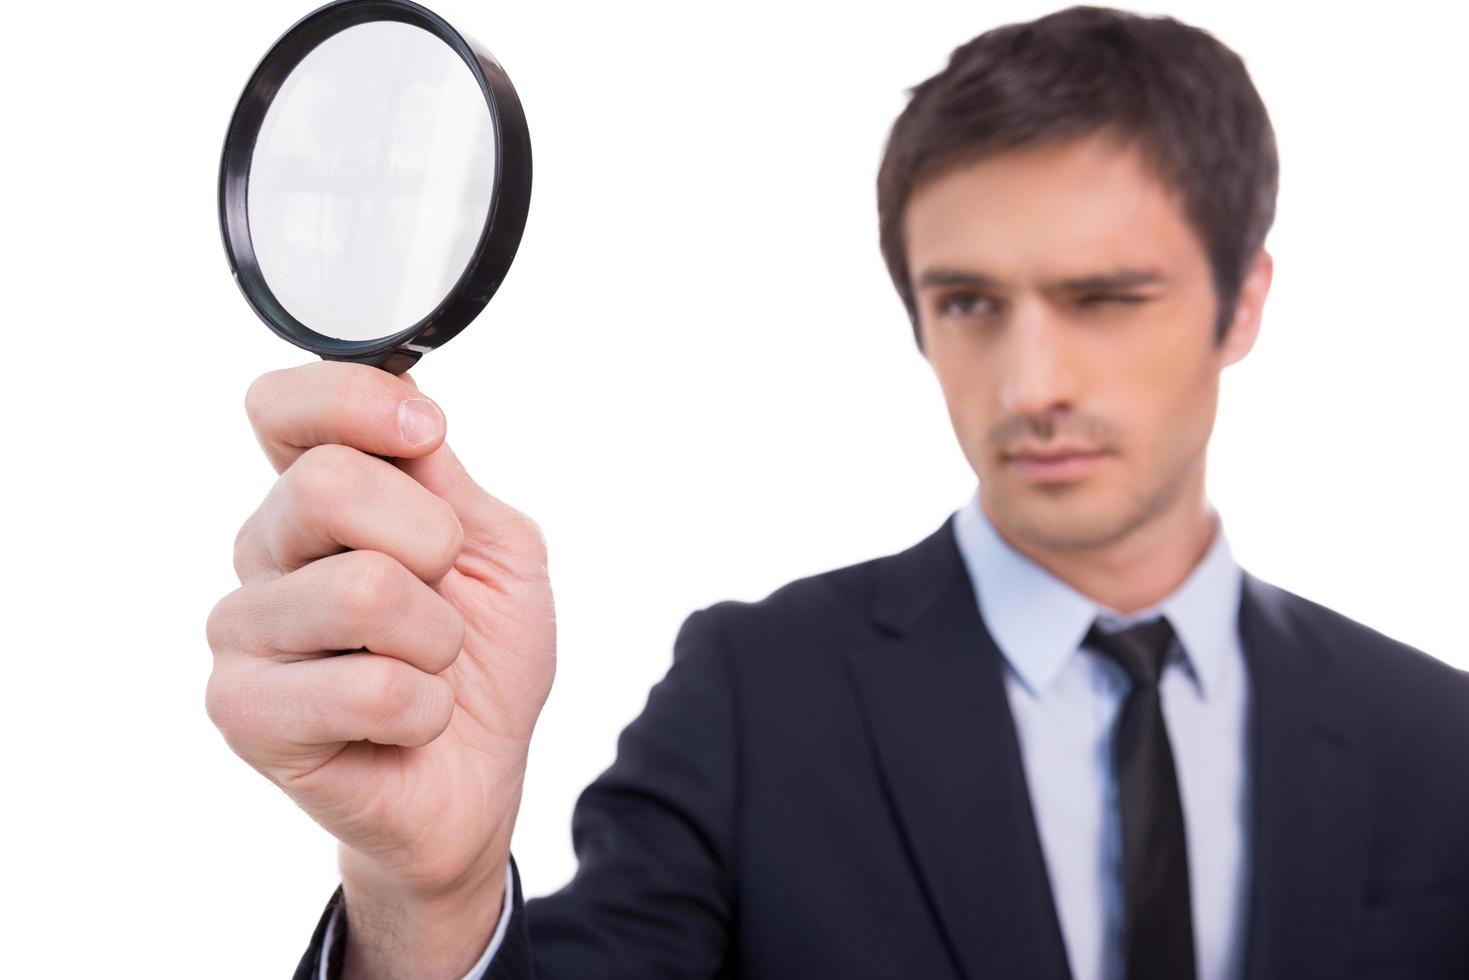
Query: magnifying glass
[{"x": 374, "y": 182}]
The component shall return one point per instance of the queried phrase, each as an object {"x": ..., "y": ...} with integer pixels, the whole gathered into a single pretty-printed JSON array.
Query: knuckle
[
  {"x": 257, "y": 544},
  {"x": 218, "y": 626},
  {"x": 225, "y": 702},
  {"x": 318, "y": 476},
  {"x": 386, "y": 698},
  {"x": 241, "y": 710},
  {"x": 452, "y": 636},
  {"x": 244, "y": 543},
  {"x": 261, "y": 393},
  {"x": 450, "y": 537},
  {"x": 217, "y": 700},
  {"x": 370, "y": 586}
]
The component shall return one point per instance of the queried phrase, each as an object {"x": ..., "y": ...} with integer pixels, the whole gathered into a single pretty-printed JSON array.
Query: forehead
[{"x": 1048, "y": 212}]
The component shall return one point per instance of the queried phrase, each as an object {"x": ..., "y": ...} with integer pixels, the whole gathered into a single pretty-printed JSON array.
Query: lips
[
  {"x": 1056, "y": 462},
  {"x": 1052, "y": 452}
]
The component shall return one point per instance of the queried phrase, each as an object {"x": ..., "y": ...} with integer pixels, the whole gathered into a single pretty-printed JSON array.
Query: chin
[{"x": 1058, "y": 519}]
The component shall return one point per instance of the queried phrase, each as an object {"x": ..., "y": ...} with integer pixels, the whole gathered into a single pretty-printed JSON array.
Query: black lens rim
[{"x": 504, "y": 224}]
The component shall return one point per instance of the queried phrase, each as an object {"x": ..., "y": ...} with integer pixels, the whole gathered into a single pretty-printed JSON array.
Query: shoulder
[
  {"x": 1410, "y": 688},
  {"x": 834, "y": 600},
  {"x": 1406, "y": 714},
  {"x": 816, "y": 615},
  {"x": 1364, "y": 649}
]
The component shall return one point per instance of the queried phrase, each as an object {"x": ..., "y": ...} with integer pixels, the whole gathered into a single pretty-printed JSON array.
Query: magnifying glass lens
[
  {"x": 374, "y": 183},
  {"x": 371, "y": 181}
]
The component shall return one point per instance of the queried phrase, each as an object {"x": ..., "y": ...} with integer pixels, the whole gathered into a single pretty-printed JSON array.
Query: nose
[{"x": 1036, "y": 364}]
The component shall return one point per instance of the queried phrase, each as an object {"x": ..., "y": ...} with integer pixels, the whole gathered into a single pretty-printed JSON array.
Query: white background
[{"x": 696, "y": 378}]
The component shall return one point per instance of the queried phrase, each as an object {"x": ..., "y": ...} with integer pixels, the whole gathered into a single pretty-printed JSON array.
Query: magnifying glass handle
[{"x": 400, "y": 360}]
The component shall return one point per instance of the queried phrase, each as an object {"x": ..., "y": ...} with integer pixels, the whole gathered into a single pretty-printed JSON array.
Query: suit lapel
[
  {"x": 1311, "y": 797},
  {"x": 933, "y": 693}
]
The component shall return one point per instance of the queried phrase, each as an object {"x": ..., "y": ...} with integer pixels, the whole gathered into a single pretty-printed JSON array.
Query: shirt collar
[{"x": 1038, "y": 621}]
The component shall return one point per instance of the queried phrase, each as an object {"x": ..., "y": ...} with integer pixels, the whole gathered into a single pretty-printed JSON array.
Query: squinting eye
[
  {"x": 1098, "y": 299},
  {"x": 965, "y": 304}
]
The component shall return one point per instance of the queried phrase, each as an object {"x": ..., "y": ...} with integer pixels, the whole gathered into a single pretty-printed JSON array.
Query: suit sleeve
[{"x": 654, "y": 836}]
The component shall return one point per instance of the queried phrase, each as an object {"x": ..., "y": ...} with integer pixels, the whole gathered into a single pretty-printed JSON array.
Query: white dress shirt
[{"x": 1065, "y": 699}]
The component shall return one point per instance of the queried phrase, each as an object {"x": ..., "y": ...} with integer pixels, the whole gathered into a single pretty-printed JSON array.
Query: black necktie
[{"x": 1158, "y": 928}]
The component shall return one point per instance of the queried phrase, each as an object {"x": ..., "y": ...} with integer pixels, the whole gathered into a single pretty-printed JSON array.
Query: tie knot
[{"x": 1141, "y": 649}]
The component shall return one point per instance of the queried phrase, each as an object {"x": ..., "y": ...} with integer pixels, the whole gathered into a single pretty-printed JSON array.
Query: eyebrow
[{"x": 1120, "y": 279}]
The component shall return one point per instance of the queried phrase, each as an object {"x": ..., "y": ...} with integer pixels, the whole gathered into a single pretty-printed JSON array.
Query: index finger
[{"x": 325, "y": 402}]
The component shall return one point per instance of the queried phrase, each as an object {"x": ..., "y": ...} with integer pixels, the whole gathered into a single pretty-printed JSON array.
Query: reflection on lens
[{"x": 371, "y": 181}]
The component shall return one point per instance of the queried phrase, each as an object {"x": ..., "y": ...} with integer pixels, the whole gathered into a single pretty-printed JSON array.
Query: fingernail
[{"x": 419, "y": 421}]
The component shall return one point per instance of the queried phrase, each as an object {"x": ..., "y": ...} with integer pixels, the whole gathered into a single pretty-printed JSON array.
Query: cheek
[
  {"x": 1172, "y": 410},
  {"x": 969, "y": 395},
  {"x": 1166, "y": 367}
]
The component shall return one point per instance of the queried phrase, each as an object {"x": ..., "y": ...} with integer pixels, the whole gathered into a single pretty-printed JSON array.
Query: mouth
[{"x": 1055, "y": 466}]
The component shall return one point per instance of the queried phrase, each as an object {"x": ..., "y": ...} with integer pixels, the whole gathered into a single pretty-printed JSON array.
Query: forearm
[{"x": 395, "y": 937}]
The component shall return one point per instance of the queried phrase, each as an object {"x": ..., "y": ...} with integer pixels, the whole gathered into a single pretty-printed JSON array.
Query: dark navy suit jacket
[{"x": 827, "y": 784}]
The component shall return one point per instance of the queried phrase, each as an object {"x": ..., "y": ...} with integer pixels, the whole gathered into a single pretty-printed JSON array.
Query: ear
[{"x": 1245, "y": 327}]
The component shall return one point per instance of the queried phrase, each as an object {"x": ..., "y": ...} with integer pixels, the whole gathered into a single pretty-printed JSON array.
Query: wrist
[{"x": 393, "y": 933}]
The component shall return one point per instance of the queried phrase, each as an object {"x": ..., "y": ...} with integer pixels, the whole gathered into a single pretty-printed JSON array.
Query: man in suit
[{"x": 1065, "y": 735}]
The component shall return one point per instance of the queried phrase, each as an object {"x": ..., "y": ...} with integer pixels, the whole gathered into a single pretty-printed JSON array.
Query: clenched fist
[{"x": 389, "y": 649}]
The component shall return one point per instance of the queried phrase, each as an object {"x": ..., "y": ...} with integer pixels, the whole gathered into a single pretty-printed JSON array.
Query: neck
[{"x": 1141, "y": 567}]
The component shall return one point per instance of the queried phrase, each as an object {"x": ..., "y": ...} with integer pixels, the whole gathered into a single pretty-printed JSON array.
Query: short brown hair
[{"x": 1175, "y": 92}]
